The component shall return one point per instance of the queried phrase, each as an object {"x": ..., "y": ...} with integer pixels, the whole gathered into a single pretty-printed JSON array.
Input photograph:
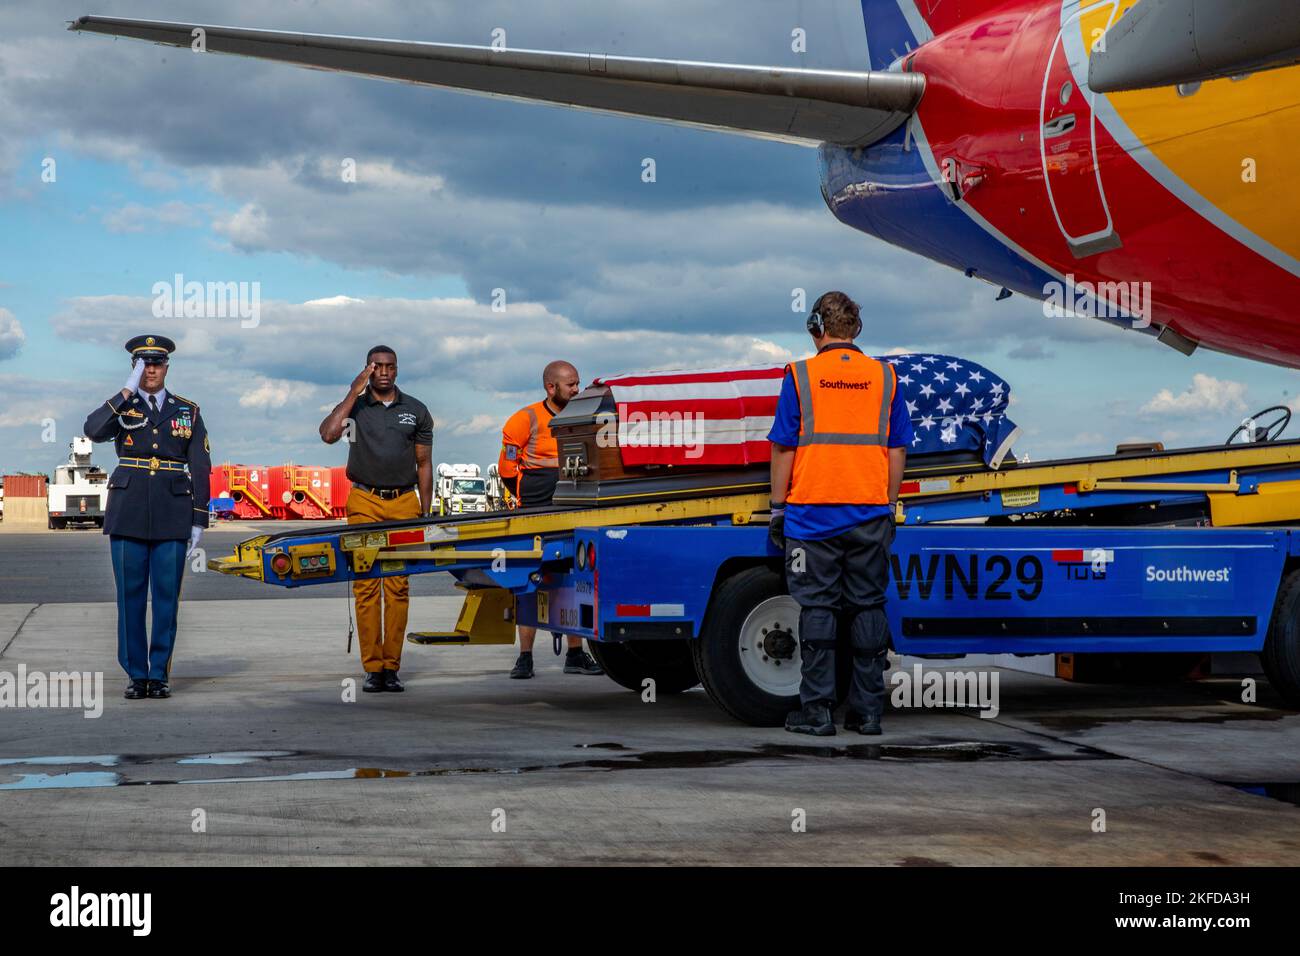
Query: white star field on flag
[{"x": 954, "y": 404}]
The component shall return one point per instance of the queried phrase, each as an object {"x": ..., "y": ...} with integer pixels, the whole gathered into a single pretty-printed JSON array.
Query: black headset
[{"x": 816, "y": 325}]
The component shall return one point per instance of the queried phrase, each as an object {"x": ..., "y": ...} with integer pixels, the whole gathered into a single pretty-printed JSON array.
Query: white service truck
[
  {"x": 460, "y": 488},
  {"x": 79, "y": 492}
]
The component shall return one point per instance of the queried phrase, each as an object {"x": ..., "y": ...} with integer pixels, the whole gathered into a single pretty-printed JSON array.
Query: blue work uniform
[{"x": 156, "y": 494}]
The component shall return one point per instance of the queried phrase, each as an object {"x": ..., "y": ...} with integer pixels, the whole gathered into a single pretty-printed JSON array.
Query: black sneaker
[
  {"x": 391, "y": 683},
  {"x": 136, "y": 690},
  {"x": 814, "y": 720},
  {"x": 523, "y": 668},
  {"x": 868, "y": 726},
  {"x": 374, "y": 682},
  {"x": 158, "y": 690},
  {"x": 578, "y": 661}
]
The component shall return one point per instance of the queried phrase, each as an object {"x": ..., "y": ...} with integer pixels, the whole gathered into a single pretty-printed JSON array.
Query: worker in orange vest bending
[
  {"x": 839, "y": 444},
  {"x": 530, "y": 460}
]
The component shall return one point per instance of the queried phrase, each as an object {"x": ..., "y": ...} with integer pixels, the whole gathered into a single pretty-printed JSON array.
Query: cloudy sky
[{"x": 226, "y": 170}]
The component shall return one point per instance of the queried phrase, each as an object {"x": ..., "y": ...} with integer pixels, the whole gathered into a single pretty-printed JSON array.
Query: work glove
[
  {"x": 776, "y": 529},
  {"x": 195, "y": 533},
  {"x": 137, "y": 372}
]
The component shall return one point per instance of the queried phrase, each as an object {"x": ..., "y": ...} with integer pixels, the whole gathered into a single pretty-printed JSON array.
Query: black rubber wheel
[
  {"x": 669, "y": 663},
  {"x": 717, "y": 651},
  {"x": 1281, "y": 653}
]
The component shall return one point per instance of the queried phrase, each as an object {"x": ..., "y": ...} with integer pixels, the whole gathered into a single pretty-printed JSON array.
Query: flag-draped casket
[{"x": 693, "y": 423}]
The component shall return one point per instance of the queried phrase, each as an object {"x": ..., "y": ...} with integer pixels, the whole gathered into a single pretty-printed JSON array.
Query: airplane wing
[
  {"x": 807, "y": 107},
  {"x": 1165, "y": 42}
]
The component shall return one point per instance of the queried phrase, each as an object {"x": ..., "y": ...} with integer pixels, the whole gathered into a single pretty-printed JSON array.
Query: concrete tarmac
[{"x": 263, "y": 747}]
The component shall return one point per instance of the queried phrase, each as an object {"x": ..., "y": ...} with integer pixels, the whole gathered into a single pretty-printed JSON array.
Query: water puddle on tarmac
[
  {"x": 1080, "y": 723},
  {"x": 628, "y": 758},
  {"x": 102, "y": 760},
  {"x": 230, "y": 757},
  {"x": 960, "y": 751}
]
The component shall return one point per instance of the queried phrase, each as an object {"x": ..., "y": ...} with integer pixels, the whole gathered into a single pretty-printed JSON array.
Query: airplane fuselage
[{"x": 1178, "y": 201}]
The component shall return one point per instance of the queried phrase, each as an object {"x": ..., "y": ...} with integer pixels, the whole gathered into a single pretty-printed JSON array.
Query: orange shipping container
[{"x": 24, "y": 486}]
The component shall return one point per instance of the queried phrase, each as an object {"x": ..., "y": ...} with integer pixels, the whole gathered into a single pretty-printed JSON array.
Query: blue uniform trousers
[{"x": 140, "y": 567}]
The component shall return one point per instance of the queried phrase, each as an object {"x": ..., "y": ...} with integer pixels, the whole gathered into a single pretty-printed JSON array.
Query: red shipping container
[
  {"x": 24, "y": 486},
  {"x": 340, "y": 488},
  {"x": 309, "y": 490},
  {"x": 248, "y": 485},
  {"x": 278, "y": 494}
]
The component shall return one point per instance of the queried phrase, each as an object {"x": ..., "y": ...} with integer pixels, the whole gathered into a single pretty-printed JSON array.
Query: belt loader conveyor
[{"x": 1179, "y": 551}]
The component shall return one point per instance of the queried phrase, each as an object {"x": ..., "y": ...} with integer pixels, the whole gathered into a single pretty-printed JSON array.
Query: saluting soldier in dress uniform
[{"x": 157, "y": 504}]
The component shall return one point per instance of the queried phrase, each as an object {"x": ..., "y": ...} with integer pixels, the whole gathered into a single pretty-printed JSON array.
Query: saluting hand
[
  {"x": 360, "y": 383},
  {"x": 133, "y": 381}
]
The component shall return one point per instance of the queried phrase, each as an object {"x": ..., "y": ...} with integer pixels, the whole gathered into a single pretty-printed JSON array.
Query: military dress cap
[{"x": 151, "y": 348}]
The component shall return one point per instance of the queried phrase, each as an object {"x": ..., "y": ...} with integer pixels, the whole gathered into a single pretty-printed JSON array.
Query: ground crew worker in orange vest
[
  {"x": 839, "y": 444},
  {"x": 530, "y": 462}
]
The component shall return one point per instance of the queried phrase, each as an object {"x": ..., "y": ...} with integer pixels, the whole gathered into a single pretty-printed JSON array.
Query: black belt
[{"x": 388, "y": 494}]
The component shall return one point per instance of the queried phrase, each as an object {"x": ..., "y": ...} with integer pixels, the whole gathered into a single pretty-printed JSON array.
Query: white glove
[
  {"x": 195, "y": 533},
  {"x": 137, "y": 372}
]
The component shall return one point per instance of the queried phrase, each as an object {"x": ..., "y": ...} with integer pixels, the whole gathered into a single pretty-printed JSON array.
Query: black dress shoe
[
  {"x": 814, "y": 720},
  {"x": 374, "y": 682},
  {"x": 523, "y": 668},
  {"x": 136, "y": 690},
  {"x": 391, "y": 683},
  {"x": 578, "y": 661},
  {"x": 158, "y": 690},
  {"x": 868, "y": 726}
]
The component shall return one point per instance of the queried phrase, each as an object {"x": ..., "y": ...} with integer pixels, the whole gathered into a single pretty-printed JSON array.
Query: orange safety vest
[
  {"x": 843, "y": 452},
  {"x": 527, "y": 442}
]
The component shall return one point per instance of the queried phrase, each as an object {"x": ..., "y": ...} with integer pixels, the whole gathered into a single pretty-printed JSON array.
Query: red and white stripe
[
  {"x": 650, "y": 610},
  {"x": 1101, "y": 556},
  {"x": 701, "y": 417}
]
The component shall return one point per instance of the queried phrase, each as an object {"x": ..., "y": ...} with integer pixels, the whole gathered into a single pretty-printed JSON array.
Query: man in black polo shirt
[{"x": 390, "y": 452}]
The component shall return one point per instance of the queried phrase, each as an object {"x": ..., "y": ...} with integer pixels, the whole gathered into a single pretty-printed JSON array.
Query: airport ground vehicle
[
  {"x": 1146, "y": 550},
  {"x": 79, "y": 492},
  {"x": 496, "y": 489},
  {"x": 459, "y": 488}
]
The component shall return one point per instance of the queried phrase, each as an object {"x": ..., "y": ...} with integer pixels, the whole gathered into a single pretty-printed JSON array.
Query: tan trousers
[{"x": 381, "y": 645}]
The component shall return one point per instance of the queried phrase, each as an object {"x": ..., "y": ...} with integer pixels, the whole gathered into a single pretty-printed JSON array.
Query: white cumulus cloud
[
  {"x": 12, "y": 336},
  {"x": 476, "y": 425},
  {"x": 276, "y": 394},
  {"x": 1205, "y": 394}
]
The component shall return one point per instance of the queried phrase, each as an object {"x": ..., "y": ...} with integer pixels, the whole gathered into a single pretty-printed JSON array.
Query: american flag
[
  {"x": 955, "y": 405},
  {"x": 722, "y": 416}
]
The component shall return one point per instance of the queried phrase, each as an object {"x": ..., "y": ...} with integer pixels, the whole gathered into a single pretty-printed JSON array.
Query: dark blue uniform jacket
[{"x": 165, "y": 505}]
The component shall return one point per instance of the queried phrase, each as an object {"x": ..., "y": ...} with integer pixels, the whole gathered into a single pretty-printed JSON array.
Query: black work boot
[
  {"x": 578, "y": 661},
  {"x": 136, "y": 690},
  {"x": 159, "y": 690},
  {"x": 374, "y": 682},
  {"x": 523, "y": 668},
  {"x": 391, "y": 683},
  {"x": 814, "y": 719},
  {"x": 868, "y": 726}
]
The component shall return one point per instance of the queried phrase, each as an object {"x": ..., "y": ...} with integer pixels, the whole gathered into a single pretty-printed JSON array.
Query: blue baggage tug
[{"x": 673, "y": 579}]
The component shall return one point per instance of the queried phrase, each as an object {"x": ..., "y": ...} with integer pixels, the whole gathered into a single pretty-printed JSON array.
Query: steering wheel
[{"x": 1262, "y": 426}]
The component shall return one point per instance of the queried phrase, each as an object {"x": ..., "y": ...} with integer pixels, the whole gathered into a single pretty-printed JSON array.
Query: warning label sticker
[{"x": 1019, "y": 497}]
